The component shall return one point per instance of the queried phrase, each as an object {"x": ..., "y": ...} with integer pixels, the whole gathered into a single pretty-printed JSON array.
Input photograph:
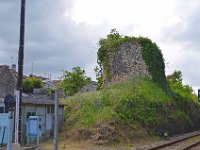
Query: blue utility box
[
  {"x": 3, "y": 128},
  {"x": 33, "y": 128},
  {"x": 6, "y": 124}
]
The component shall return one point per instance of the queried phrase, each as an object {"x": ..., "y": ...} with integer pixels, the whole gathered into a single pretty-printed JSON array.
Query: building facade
[
  {"x": 43, "y": 108},
  {"x": 8, "y": 81},
  {"x": 34, "y": 104}
]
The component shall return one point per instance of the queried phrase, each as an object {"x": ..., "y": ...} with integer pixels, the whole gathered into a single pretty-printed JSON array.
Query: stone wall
[
  {"x": 92, "y": 86},
  {"x": 125, "y": 62},
  {"x": 7, "y": 81}
]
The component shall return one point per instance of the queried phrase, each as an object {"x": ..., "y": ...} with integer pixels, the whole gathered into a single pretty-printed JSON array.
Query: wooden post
[{"x": 56, "y": 122}]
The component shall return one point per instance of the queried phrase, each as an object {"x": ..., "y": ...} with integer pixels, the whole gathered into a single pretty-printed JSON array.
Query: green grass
[
  {"x": 129, "y": 107},
  {"x": 180, "y": 115},
  {"x": 133, "y": 101}
]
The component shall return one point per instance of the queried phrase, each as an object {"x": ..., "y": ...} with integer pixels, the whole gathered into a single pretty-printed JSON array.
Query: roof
[
  {"x": 57, "y": 82},
  {"x": 36, "y": 100},
  {"x": 2, "y": 67},
  {"x": 12, "y": 72}
]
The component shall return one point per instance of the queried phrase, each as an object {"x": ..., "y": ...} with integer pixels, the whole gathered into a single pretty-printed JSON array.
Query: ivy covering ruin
[{"x": 151, "y": 54}]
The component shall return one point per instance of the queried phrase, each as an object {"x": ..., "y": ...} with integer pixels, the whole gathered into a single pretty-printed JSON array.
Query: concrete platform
[
  {"x": 27, "y": 148},
  {"x": 15, "y": 146}
]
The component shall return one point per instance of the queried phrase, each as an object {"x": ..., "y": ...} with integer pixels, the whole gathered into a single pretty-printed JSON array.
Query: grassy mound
[
  {"x": 132, "y": 110},
  {"x": 130, "y": 102}
]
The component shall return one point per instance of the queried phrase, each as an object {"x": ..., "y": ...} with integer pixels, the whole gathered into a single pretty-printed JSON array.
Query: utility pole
[{"x": 21, "y": 55}]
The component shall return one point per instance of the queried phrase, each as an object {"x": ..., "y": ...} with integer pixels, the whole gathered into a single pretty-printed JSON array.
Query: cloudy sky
[{"x": 61, "y": 34}]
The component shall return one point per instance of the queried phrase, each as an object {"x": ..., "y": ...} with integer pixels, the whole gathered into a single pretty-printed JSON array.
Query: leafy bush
[
  {"x": 180, "y": 90},
  {"x": 73, "y": 81},
  {"x": 30, "y": 83}
]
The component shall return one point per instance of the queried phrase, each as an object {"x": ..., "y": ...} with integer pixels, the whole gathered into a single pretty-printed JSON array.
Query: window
[
  {"x": 6, "y": 110},
  {"x": 30, "y": 114},
  {"x": 1, "y": 109},
  {"x": 50, "y": 110}
]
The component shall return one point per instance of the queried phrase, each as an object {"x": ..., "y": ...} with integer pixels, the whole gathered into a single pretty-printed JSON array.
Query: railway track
[
  {"x": 191, "y": 142},
  {"x": 193, "y": 146}
]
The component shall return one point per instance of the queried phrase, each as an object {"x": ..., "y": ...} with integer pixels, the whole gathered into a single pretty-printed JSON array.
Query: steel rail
[
  {"x": 191, "y": 146},
  {"x": 173, "y": 142}
]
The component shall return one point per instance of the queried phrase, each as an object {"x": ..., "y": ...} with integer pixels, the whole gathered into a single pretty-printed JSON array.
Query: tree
[
  {"x": 30, "y": 83},
  {"x": 99, "y": 76},
  {"x": 176, "y": 76},
  {"x": 176, "y": 85},
  {"x": 75, "y": 80},
  {"x": 102, "y": 55}
]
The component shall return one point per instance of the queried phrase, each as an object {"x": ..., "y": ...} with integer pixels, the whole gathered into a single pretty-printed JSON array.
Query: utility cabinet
[
  {"x": 33, "y": 129},
  {"x": 5, "y": 127}
]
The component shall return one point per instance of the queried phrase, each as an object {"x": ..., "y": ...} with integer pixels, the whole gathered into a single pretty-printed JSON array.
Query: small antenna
[
  {"x": 32, "y": 68},
  {"x": 11, "y": 60}
]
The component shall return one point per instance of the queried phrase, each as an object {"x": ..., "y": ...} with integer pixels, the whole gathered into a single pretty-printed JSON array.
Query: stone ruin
[{"x": 125, "y": 62}]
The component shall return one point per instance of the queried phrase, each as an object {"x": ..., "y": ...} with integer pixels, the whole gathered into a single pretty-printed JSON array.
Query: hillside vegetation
[
  {"x": 135, "y": 110},
  {"x": 119, "y": 112}
]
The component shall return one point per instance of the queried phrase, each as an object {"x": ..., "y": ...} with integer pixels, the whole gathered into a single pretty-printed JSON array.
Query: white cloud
[
  {"x": 167, "y": 23},
  {"x": 65, "y": 33},
  {"x": 89, "y": 69},
  {"x": 121, "y": 12}
]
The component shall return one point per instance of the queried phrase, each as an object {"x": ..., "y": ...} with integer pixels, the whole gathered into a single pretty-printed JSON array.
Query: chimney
[{"x": 13, "y": 67}]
